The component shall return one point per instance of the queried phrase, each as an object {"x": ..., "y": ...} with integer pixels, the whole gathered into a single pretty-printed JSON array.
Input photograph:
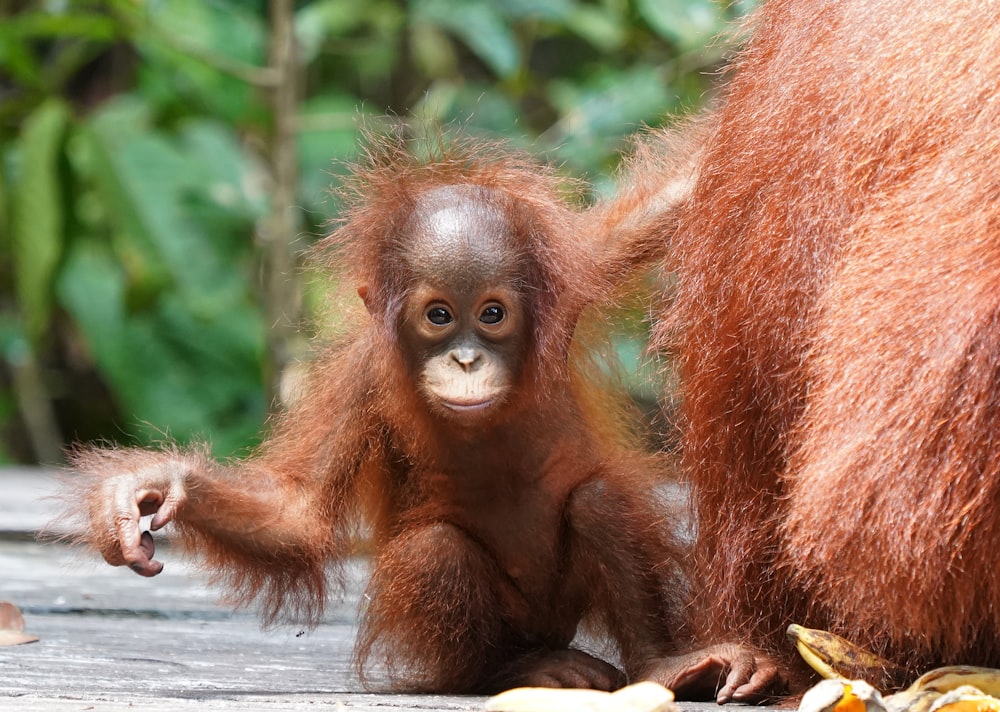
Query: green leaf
[
  {"x": 229, "y": 28},
  {"x": 49, "y": 23},
  {"x": 328, "y": 135},
  {"x": 601, "y": 28},
  {"x": 481, "y": 27},
  {"x": 18, "y": 61},
  {"x": 689, "y": 24},
  {"x": 433, "y": 53},
  {"x": 166, "y": 305},
  {"x": 480, "y": 109},
  {"x": 173, "y": 372},
  {"x": 549, "y": 10},
  {"x": 318, "y": 21},
  {"x": 39, "y": 48},
  {"x": 157, "y": 190},
  {"x": 92, "y": 287},
  {"x": 596, "y": 117},
  {"x": 38, "y": 214},
  {"x": 234, "y": 180},
  {"x": 191, "y": 46}
]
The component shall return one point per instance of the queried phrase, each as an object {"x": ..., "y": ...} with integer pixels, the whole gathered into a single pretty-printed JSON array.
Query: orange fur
[
  {"x": 492, "y": 543},
  {"x": 835, "y": 325}
]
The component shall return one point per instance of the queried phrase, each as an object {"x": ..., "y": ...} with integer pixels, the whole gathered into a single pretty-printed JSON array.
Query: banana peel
[
  {"x": 953, "y": 688},
  {"x": 966, "y": 699},
  {"x": 953, "y": 677},
  {"x": 640, "y": 697},
  {"x": 835, "y": 658},
  {"x": 839, "y": 695}
]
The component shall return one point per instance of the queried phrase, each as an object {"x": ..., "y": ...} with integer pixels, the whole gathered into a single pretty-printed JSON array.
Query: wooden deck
[{"x": 110, "y": 640}]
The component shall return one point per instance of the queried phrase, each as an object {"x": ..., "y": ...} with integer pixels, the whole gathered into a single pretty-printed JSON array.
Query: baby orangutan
[{"x": 457, "y": 428}]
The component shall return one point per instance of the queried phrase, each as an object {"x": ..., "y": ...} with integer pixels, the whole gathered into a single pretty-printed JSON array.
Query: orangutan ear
[{"x": 363, "y": 293}]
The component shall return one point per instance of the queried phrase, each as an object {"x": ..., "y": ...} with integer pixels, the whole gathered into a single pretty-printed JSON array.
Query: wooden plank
[
  {"x": 112, "y": 640},
  {"x": 26, "y": 503},
  {"x": 108, "y": 636}
]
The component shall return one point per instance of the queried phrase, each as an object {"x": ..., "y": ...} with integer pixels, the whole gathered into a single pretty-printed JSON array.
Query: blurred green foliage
[{"x": 134, "y": 172}]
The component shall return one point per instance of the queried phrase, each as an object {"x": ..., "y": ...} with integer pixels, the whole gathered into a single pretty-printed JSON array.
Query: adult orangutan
[
  {"x": 459, "y": 426},
  {"x": 835, "y": 322}
]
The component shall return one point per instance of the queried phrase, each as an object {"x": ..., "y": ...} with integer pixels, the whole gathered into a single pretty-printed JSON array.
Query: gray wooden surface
[{"x": 111, "y": 640}]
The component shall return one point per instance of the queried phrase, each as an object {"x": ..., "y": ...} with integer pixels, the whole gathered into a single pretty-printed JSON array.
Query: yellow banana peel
[
  {"x": 954, "y": 688},
  {"x": 640, "y": 697},
  {"x": 833, "y": 657}
]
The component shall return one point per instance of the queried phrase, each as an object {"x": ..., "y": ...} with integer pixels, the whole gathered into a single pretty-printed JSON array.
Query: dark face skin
[{"x": 463, "y": 331}]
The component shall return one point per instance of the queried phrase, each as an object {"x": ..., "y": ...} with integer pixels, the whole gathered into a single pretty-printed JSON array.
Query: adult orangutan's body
[{"x": 836, "y": 327}]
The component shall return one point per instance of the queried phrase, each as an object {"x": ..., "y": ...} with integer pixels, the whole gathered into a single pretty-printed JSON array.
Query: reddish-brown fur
[
  {"x": 491, "y": 544},
  {"x": 836, "y": 328}
]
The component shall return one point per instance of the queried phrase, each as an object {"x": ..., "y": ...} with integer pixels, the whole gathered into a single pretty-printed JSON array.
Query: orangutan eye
[
  {"x": 439, "y": 316},
  {"x": 492, "y": 314}
]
